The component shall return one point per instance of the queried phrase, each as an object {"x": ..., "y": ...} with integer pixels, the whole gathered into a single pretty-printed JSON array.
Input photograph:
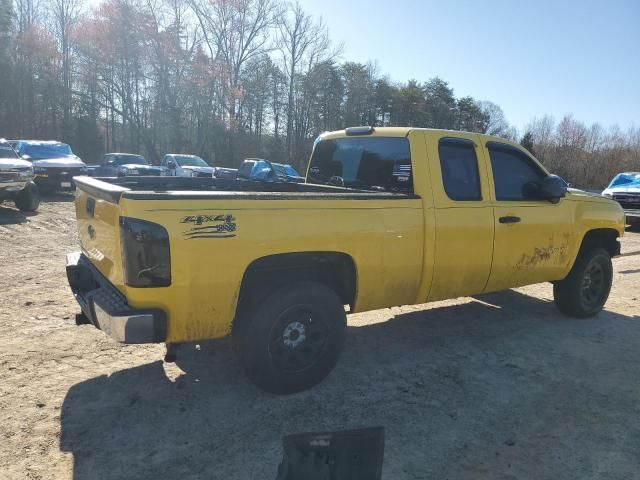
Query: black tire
[
  {"x": 586, "y": 289},
  {"x": 292, "y": 339},
  {"x": 28, "y": 199}
]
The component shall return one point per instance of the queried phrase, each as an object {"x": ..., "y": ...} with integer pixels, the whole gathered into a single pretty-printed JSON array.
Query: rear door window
[
  {"x": 459, "y": 166},
  {"x": 366, "y": 163}
]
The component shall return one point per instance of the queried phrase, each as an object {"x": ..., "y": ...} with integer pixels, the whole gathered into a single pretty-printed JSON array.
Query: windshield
[
  {"x": 7, "y": 152},
  {"x": 625, "y": 180},
  {"x": 285, "y": 170},
  {"x": 129, "y": 159},
  {"x": 51, "y": 150},
  {"x": 370, "y": 163},
  {"x": 190, "y": 161}
]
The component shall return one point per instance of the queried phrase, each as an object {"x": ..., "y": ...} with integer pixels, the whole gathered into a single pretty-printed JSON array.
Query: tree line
[{"x": 228, "y": 79}]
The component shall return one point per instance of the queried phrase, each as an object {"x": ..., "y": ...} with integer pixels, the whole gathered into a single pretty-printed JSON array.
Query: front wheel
[
  {"x": 586, "y": 289},
  {"x": 291, "y": 340},
  {"x": 28, "y": 199}
]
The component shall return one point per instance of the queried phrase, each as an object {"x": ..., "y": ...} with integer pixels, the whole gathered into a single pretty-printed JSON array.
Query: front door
[{"x": 532, "y": 237}]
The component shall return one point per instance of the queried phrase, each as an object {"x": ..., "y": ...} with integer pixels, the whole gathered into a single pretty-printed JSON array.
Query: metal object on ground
[{"x": 348, "y": 454}]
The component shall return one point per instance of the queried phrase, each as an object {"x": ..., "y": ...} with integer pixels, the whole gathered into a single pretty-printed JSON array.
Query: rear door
[
  {"x": 532, "y": 237},
  {"x": 463, "y": 215}
]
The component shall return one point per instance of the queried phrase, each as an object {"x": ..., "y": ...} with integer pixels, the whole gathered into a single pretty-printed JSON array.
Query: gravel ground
[{"x": 496, "y": 387}]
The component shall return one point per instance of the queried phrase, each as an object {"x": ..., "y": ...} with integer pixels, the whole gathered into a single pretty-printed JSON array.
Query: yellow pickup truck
[{"x": 386, "y": 217}]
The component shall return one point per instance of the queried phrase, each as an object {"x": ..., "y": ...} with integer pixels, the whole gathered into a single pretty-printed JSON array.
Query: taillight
[{"x": 146, "y": 259}]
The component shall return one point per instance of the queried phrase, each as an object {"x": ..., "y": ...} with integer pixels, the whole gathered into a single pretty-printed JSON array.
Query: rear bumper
[{"x": 107, "y": 308}]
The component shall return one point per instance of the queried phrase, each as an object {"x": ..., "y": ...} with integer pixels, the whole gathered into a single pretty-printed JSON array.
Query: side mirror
[
  {"x": 552, "y": 188},
  {"x": 110, "y": 162},
  {"x": 171, "y": 165},
  {"x": 25, "y": 157}
]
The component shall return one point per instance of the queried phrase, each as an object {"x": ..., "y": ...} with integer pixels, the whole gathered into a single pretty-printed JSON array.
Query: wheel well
[
  {"x": 606, "y": 238},
  {"x": 266, "y": 274}
]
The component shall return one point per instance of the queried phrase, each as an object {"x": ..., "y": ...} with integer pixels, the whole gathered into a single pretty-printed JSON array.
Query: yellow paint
[{"x": 406, "y": 251}]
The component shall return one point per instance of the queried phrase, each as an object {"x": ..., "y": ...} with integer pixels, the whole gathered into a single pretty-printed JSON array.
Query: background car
[
  {"x": 179, "y": 165},
  {"x": 625, "y": 189},
  {"x": 225, "y": 173},
  {"x": 54, "y": 164},
  {"x": 286, "y": 170},
  {"x": 266, "y": 171},
  {"x": 16, "y": 180},
  {"x": 124, "y": 165}
]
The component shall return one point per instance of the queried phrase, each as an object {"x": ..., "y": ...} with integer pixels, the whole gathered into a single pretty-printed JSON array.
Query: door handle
[{"x": 509, "y": 219}]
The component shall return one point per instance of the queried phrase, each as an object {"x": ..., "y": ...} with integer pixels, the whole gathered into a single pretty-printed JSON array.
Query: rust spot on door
[{"x": 555, "y": 253}]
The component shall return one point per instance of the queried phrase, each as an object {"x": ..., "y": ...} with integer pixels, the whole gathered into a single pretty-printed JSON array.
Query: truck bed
[{"x": 159, "y": 188}]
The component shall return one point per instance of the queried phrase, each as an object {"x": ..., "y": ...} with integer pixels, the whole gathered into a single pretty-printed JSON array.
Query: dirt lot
[{"x": 497, "y": 387}]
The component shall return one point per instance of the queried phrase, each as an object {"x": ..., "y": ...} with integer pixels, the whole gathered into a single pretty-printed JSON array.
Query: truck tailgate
[{"x": 98, "y": 232}]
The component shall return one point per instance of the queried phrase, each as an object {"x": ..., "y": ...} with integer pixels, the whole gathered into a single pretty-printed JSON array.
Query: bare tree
[
  {"x": 496, "y": 123},
  {"x": 28, "y": 13},
  {"x": 300, "y": 38},
  {"x": 236, "y": 32},
  {"x": 65, "y": 14}
]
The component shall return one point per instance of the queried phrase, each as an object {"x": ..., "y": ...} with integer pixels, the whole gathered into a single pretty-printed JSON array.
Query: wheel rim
[
  {"x": 297, "y": 339},
  {"x": 593, "y": 284}
]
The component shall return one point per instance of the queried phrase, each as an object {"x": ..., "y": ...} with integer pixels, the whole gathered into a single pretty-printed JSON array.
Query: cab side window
[
  {"x": 459, "y": 165},
  {"x": 513, "y": 172}
]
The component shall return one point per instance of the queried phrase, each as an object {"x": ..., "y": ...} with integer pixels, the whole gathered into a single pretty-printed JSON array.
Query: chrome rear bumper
[{"x": 107, "y": 308}]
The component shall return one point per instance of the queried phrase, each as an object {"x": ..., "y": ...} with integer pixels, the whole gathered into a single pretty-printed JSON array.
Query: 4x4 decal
[{"x": 210, "y": 226}]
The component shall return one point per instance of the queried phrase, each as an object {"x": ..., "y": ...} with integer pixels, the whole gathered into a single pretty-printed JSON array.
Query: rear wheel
[
  {"x": 291, "y": 340},
  {"x": 28, "y": 199},
  {"x": 586, "y": 289}
]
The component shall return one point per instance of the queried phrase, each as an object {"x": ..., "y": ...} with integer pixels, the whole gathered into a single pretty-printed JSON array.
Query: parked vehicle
[
  {"x": 54, "y": 164},
  {"x": 177, "y": 165},
  {"x": 264, "y": 170},
  {"x": 388, "y": 216},
  {"x": 16, "y": 180},
  {"x": 625, "y": 189},
  {"x": 123, "y": 165},
  {"x": 287, "y": 172},
  {"x": 225, "y": 173}
]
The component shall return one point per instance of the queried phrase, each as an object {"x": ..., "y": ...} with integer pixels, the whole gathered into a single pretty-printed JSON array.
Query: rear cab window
[{"x": 380, "y": 164}]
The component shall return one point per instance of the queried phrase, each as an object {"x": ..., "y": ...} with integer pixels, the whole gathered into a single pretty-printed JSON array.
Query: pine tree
[{"x": 527, "y": 142}]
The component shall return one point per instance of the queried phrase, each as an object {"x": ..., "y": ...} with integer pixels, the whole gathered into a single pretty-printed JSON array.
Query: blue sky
[{"x": 531, "y": 58}]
